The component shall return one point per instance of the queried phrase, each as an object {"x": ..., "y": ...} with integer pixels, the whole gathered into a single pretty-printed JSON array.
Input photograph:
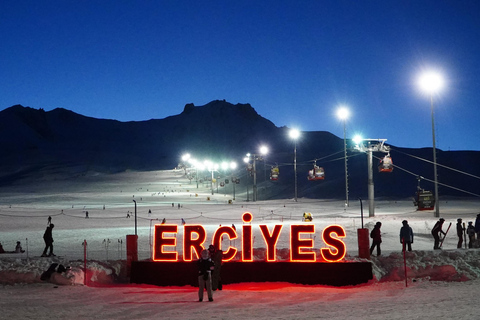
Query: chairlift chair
[
  {"x": 317, "y": 173},
  {"x": 274, "y": 173},
  {"x": 386, "y": 164}
]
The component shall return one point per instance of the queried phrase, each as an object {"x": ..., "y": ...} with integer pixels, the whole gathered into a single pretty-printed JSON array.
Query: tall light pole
[
  {"x": 343, "y": 114},
  {"x": 431, "y": 83},
  {"x": 263, "y": 151},
  {"x": 294, "y": 134}
]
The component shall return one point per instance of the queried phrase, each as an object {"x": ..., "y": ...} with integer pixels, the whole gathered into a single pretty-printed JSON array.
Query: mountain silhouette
[{"x": 35, "y": 143}]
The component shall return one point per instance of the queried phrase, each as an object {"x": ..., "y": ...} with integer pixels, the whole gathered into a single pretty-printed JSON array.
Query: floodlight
[
  {"x": 431, "y": 82},
  {"x": 343, "y": 113},
  {"x": 294, "y": 134}
]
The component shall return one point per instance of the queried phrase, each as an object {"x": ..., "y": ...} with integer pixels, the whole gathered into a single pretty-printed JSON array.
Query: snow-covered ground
[{"x": 440, "y": 283}]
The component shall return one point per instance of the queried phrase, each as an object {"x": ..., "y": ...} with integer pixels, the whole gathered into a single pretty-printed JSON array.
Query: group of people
[
  {"x": 18, "y": 248},
  {"x": 209, "y": 266},
  {"x": 406, "y": 235}
]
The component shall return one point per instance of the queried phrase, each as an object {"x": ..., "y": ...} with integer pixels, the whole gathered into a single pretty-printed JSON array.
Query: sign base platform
[{"x": 185, "y": 273}]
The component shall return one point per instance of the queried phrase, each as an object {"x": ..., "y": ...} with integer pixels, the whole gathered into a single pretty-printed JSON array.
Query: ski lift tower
[{"x": 369, "y": 146}]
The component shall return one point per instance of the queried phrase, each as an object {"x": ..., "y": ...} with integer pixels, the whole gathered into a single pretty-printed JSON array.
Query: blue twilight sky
[{"x": 294, "y": 61}]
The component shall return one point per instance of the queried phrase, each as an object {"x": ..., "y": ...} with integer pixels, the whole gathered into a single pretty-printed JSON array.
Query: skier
[
  {"x": 437, "y": 229},
  {"x": 460, "y": 230},
  {"x": 406, "y": 236},
  {"x": 377, "y": 238},
  {"x": 205, "y": 267},
  {"x": 49, "y": 220},
  {"x": 471, "y": 234},
  {"x": 48, "y": 238}
]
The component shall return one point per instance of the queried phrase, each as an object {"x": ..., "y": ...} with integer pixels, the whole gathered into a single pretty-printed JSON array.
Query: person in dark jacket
[
  {"x": 205, "y": 268},
  {"x": 377, "y": 238},
  {"x": 48, "y": 238},
  {"x": 460, "y": 231},
  {"x": 471, "y": 234},
  {"x": 477, "y": 226},
  {"x": 437, "y": 229},
  {"x": 406, "y": 236},
  {"x": 216, "y": 256}
]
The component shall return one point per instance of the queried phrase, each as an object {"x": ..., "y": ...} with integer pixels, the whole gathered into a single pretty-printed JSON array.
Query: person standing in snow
[
  {"x": 48, "y": 238},
  {"x": 18, "y": 248},
  {"x": 406, "y": 236},
  {"x": 216, "y": 256},
  {"x": 471, "y": 234},
  {"x": 205, "y": 267},
  {"x": 437, "y": 229},
  {"x": 460, "y": 230},
  {"x": 477, "y": 226},
  {"x": 377, "y": 238}
]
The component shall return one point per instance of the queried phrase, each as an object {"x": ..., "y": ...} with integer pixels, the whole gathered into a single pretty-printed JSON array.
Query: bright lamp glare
[
  {"x": 263, "y": 150},
  {"x": 185, "y": 157},
  {"x": 233, "y": 165},
  {"x": 294, "y": 134},
  {"x": 246, "y": 159},
  {"x": 357, "y": 139},
  {"x": 431, "y": 82},
  {"x": 343, "y": 113}
]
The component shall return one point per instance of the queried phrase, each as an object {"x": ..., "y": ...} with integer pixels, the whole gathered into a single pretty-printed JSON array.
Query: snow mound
[{"x": 449, "y": 265}]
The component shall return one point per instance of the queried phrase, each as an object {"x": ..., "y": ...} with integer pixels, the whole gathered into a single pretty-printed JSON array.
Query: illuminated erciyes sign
[{"x": 194, "y": 236}]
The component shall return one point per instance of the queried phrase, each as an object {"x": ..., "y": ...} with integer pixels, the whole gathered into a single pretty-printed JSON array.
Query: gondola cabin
[
  {"x": 317, "y": 173},
  {"x": 250, "y": 169},
  {"x": 274, "y": 173},
  {"x": 424, "y": 200},
  {"x": 386, "y": 164}
]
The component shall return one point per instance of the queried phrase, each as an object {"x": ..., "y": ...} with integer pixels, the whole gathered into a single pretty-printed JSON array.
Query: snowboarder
[
  {"x": 406, "y": 236},
  {"x": 471, "y": 234},
  {"x": 460, "y": 230},
  {"x": 48, "y": 238},
  {"x": 18, "y": 248},
  {"x": 205, "y": 267},
  {"x": 216, "y": 256},
  {"x": 377, "y": 238},
  {"x": 437, "y": 229}
]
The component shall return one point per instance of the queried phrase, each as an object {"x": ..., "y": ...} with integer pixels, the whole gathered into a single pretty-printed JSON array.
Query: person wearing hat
[
  {"x": 48, "y": 238},
  {"x": 437, "y": 229},
  {"x": 205, "y": 268},
  {"x": 406, "y": 236},
  {"x": 471, "y": 234},
  {"x": 460, "y": 231},
  {"x": 377, "y": 238}
]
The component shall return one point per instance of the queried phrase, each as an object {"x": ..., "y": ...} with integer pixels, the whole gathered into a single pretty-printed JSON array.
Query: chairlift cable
[{"x": 440, "y": 165}]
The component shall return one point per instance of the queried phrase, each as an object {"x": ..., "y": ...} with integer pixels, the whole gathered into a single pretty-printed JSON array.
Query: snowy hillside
[{"x": 108, "y": 200}]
